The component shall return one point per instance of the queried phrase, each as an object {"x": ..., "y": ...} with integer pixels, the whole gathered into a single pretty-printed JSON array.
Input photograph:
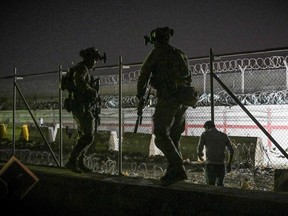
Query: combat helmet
[
  {"x": 159, "y": 35},
  {"x": 93, "y": 53}
]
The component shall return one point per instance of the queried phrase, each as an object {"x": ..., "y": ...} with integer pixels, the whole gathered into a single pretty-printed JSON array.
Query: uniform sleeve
[
  {"x": 82, "y": 80},
  {"x": 145, "y": 73}
]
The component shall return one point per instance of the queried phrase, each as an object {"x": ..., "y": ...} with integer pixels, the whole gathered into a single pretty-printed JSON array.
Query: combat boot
[
  {"x": 163, "y": 178},
  {"x": 82, "y": 166},
  {"x": 72, "y": 165},
  {"x": 174, "y": 174}
]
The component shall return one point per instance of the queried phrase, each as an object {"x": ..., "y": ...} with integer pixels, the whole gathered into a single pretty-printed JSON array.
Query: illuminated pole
[
  {"x": 211, "y": 84},
  {"x": 120, "y": 117},
  {"x": 60, "y": 119},
  {"x": 14, "y": 111}
]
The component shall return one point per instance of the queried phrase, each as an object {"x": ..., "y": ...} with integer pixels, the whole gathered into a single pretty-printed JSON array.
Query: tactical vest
[{"x": 171, "y": 72}]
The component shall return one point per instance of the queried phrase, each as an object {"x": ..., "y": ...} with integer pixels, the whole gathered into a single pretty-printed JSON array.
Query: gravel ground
[
  {"x": 137, "y": 165},
  {"x": 252, "y": 178}
]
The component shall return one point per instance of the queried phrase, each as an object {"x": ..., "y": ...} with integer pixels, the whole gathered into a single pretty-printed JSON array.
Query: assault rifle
[
  {"x": 96, "y": 104},
  {"x": 143, "y": 101}
]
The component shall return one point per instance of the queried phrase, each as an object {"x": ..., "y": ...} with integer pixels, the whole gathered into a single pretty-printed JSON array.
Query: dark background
[{"x": 38, "y": 36}]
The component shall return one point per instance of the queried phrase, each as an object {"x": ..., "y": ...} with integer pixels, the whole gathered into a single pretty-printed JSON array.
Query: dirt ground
[
  {"x": 251, "y": 178},
  {"x": 138, "y": 165}
]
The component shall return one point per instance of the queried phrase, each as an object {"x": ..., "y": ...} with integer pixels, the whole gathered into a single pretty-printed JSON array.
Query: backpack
[
  {"x": 67, "y": 81},
  {"x": 171, "y": 71},
  {"x": 176, "y": 81}
]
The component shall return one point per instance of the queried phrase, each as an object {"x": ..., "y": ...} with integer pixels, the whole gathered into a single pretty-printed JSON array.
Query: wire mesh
[{"x": 259, "y": 82}]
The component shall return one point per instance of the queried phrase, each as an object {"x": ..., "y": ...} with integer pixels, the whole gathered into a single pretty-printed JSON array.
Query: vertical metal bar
[
  {"x": 120, "y": 117},
  {"x": 211, "y": 84},
  {"x": 286, "y": 66},
  {"x": 14, "y": 111},
  {"x": 39, "y": 129},
  {"x": 204, "y": 80},
  {"x": 60, "y": 119},
  {"x": 242, "y": 78},
  {"x": 242, "y": 81}
]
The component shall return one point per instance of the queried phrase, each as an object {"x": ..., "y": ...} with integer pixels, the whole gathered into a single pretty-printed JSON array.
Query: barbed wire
[
  {"x": 272, "y": 62},
  {"x": 50, "y": 84},
  {"x": 221, "y": 98}
]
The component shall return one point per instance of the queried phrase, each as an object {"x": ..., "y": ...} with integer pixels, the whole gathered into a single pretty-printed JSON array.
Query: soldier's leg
[
  {"x": 163, "y": 120},
  {"x": 72, "y": 163},
  {"x": 178, "y": 127},
  {"x": 88, "y": 137},
  {"x": 85, "y": 138}
]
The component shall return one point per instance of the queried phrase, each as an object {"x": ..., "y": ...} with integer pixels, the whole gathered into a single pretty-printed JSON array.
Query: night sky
[{"x": 38, "y": 36}]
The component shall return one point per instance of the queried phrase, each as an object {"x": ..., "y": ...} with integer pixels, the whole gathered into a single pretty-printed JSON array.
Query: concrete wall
[{"x": 61, "y": 192}]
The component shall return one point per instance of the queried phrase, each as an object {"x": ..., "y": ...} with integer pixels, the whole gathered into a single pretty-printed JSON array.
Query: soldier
[
  {"x": 216, "y": 143},
  {"x": 166, "y": 69},
  {"x": 82, "y": 97}
]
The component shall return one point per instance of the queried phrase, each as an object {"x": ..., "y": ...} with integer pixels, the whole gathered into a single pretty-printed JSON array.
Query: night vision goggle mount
[
  {"x": 94, "y": 53},
  {"x": 159, "y": 35}
]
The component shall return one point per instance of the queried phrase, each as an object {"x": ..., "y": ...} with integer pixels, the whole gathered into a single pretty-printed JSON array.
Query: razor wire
[
  {"x": 245, "y": 174},
  {"x": 50, "y": 84},
  {"x": 221, "y": 98},
  {"x": 272, "y": 62},
  {"x": 127, "y": 77}
]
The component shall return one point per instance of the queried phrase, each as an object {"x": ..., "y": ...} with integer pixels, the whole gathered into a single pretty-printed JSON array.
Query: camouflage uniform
[
  {"x": 83, "y": 94},
  {"x": 167, "y": 67},
  {"x": 82, "y": 100}
]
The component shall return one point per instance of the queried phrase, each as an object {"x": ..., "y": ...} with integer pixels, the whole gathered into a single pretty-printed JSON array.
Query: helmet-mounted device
[
  {"x": 159, "y": 35},
  {"x": 92, "y": 52}
]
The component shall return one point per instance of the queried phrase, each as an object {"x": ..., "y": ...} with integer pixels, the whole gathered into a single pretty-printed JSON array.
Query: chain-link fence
[{"x": 258, "y": 80}]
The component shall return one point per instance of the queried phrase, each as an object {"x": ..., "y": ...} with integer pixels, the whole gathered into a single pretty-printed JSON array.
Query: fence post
[
  {"x": 14, "y": 111},
  {"x": 204, "y": 80},
  {"x": 120, "y": 116},
  {"x": 211, "y": 84},
  {"x": 60, "y": 117},
  {"x": 242, "y": 78},
  {"x": 286, "y": 66}
]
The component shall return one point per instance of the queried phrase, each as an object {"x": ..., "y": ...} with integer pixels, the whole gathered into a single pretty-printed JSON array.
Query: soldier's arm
[
  {"x": 145, "y": 73},
  {"x": 81, "y": 76}
]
